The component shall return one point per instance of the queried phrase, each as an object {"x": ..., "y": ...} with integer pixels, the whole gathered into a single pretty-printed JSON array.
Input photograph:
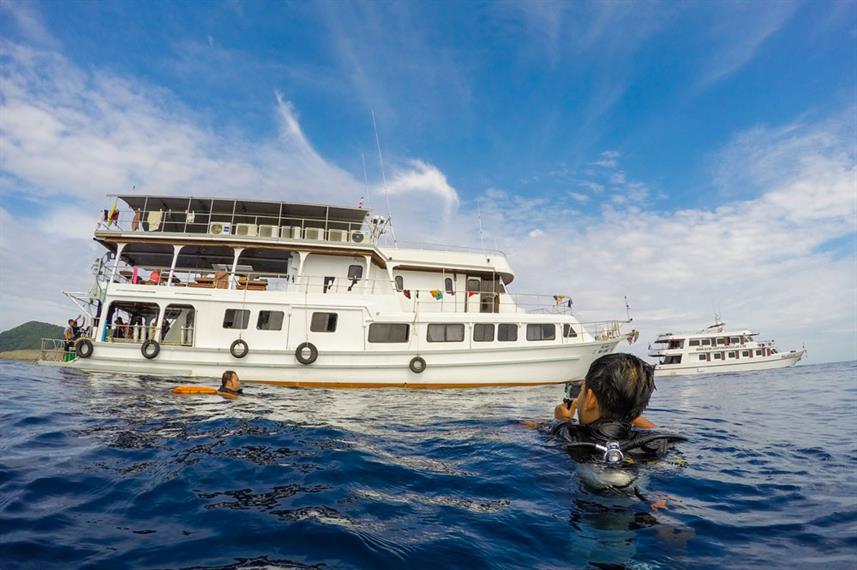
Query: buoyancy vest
[{"x": 637, "y": 443}]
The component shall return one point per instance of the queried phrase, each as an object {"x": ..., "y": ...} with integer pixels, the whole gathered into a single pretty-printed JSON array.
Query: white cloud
[
  {"x": 74, "y": 135},
  {"x": 741, "y": 34}
]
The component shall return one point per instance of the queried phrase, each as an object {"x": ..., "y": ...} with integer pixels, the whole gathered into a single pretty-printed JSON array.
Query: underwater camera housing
[{"x": 572, "y": 391}]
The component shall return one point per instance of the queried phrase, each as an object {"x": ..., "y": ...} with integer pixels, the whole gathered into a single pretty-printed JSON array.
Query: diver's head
[
  {"x": 617, "y": 387},
  {"x": 230, "y": 380}
]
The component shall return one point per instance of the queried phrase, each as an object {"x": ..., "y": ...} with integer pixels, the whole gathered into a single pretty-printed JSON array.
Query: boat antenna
[
  {"x": 365, "y": 178},
  {"x": 384, "y": 180},
  {"x": 627, "y": 310},
  {"x": 481, "y": 231}
]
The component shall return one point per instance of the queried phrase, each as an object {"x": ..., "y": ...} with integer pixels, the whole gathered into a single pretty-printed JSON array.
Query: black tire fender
[
  {"x": 417, "y": 365},
  {"x": 150, "y": 349},
  {"x": 239, "y": 352},
  {"x": 304, "y": 359},
  {"x": 83, "y": 348}
]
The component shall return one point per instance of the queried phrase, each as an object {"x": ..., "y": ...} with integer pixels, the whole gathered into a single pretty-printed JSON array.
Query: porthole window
[
  {"x": 323, "y": 322},
  {"x": 448, "y": 286},
  {"x": 355, "y": 272},
  {"x": 507, "y": 332},
  {"x": 568, "y": 331},
  {"x": 236, "y": 318},
  {"x": 400, "y": 283},
  {"x": 541, "y": 332},
  {"x": 445, "y": 333},
  {"x": 483, "y": 332},
  {"x": 389, "y": 332},
  {"x": 270, "y": 321}
]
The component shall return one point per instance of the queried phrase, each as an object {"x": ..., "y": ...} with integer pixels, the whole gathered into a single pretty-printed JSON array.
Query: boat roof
[
  {"x": 245, "y": 208},
  {"x": 715, "y": 330}
]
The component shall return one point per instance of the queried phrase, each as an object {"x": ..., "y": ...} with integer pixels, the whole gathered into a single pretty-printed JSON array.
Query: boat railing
[
  {"x": 233, "y": 225},
  {"x": 54, "y": 350},
  {"x": 138, "y": 334}
]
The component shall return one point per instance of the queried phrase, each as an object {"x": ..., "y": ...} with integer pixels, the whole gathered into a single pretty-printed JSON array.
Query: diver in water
[
  {"x": 610, "y": 429},
  {"x": 230, "y": 384}
]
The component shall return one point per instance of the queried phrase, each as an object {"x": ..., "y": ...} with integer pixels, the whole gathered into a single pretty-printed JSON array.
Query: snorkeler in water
[{"x": 609, "y": 431}]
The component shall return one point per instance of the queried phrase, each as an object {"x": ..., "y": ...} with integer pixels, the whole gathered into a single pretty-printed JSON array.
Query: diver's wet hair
[
  {"x": 225, "y": 378},
  {"x": 623, "y": 385}
]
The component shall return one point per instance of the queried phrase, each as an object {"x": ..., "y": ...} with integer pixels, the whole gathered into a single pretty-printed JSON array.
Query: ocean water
[{"x": 102, "y": 471}]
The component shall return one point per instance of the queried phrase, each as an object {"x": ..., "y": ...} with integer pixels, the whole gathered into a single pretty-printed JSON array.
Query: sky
[{"x": 696, "y": 157}]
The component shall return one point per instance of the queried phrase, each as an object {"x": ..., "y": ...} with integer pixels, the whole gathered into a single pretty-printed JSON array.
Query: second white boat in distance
[
  {"x": 305, "y": 295},
  {"x": 718, "y": 349}
]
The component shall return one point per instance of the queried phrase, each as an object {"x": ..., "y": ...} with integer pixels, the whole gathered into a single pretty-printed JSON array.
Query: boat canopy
[{"x": 178, "y": 210}]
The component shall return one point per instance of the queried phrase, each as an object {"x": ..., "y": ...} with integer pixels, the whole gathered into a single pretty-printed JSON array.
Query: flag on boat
[
  {"x": 406, "y": 293},
  {"x": 560, "y": 299},
  {"x": 437, "y": 294}
]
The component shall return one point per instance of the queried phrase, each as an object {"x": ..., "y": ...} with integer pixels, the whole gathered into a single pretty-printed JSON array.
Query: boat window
[
  {"x": 735, "y": 340},
  {"x": 269, "y": 321},
  {"x": 702, "y": 357},
  {"x": 745, "y": 353},
  {"x": 483, "y": 332},
  {"x": 448, "y": 286},
  {"x": 445, "y": 333},
  {"x": 323, "y": 322},
  {"x": 706, "y": 342},
  {"x": 718, "y": 356},
  {"x": 400, "y": 283},
  {"x": 236, "y": 318},
  {"x": 355, "y": 272},
  {"x": 541, "y": 332},
  {"x": 733, "y": 355},
  {"x": 328, "y": 284},
  {"x": 693, "y": 343},
  {"x": 474, "y": 284},
  {"x": 130, "y": 321},
  {"x": 389, "y": 332},
  {"x": 721, "y": 341},
  {"x": 507, "y": 332},
  {"x": 177, "y": 327},
  {"x": 758, "y": 353},
  {"x": 568, "y": 331}
]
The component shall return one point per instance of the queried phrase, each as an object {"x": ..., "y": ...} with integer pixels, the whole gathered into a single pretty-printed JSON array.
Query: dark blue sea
[{"x": 102, "y": 471}]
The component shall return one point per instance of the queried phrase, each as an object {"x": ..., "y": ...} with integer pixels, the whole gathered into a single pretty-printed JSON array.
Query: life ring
[
  {"x": 417, "y": 365},
  {"x": 302, "y": 358},
  {"x": 150, "y": 349},
  {"x": 239, "y": 353},
  {"x": 83, "y": 348}
]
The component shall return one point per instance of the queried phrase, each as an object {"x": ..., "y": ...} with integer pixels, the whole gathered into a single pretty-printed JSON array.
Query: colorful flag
[{"x": 436, "y": 293}]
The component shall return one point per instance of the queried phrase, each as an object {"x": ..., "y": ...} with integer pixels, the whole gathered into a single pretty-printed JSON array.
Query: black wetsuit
[
  {"x": 624, "y": 433},
  {"x": 228, "y": 391}
]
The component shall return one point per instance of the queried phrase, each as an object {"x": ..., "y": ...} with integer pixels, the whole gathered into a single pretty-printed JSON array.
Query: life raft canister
[
  {"x": 239, "y": 352},
  {"x": 303, "y": 358},
  {"x": 200, "y": 390}
]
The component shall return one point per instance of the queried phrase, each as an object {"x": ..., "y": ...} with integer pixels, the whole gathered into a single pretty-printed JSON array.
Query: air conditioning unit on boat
[
  {"x": 290, "y": 232},
  {"x": 269, "y": 231},
  {"x": 219, "y": 228},
  {"x": 337, "y": 235},
  {"x": 357, "y": 236},
  {"x": 247, "y": 230},
  {"x": 314, "y": 233}
]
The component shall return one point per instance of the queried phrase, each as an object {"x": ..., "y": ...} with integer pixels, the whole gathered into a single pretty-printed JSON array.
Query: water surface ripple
[{"x": 115, "y": 472}]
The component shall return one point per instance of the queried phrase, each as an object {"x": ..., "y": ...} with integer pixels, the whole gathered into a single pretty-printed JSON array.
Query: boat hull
[
  {"x": 552, "y": 364},
  {"x": 779, "y": 360}
]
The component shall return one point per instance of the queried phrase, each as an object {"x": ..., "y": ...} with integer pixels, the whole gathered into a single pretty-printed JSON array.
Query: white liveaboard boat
[
  {"x": 306, "y": 295},
  {"x": 718, "y": 349}
]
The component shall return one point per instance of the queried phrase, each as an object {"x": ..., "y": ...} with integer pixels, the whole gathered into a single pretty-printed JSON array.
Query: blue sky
[{"x": 592, "y": 131}]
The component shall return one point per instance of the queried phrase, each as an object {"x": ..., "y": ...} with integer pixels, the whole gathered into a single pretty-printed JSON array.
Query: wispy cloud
[{"x": 740, "y": 34}]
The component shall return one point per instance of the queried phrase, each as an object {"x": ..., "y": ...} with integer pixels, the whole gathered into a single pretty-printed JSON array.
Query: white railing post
[
  {"x": 238, "y": 251},
  {"x": 176, "y": 250}
]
